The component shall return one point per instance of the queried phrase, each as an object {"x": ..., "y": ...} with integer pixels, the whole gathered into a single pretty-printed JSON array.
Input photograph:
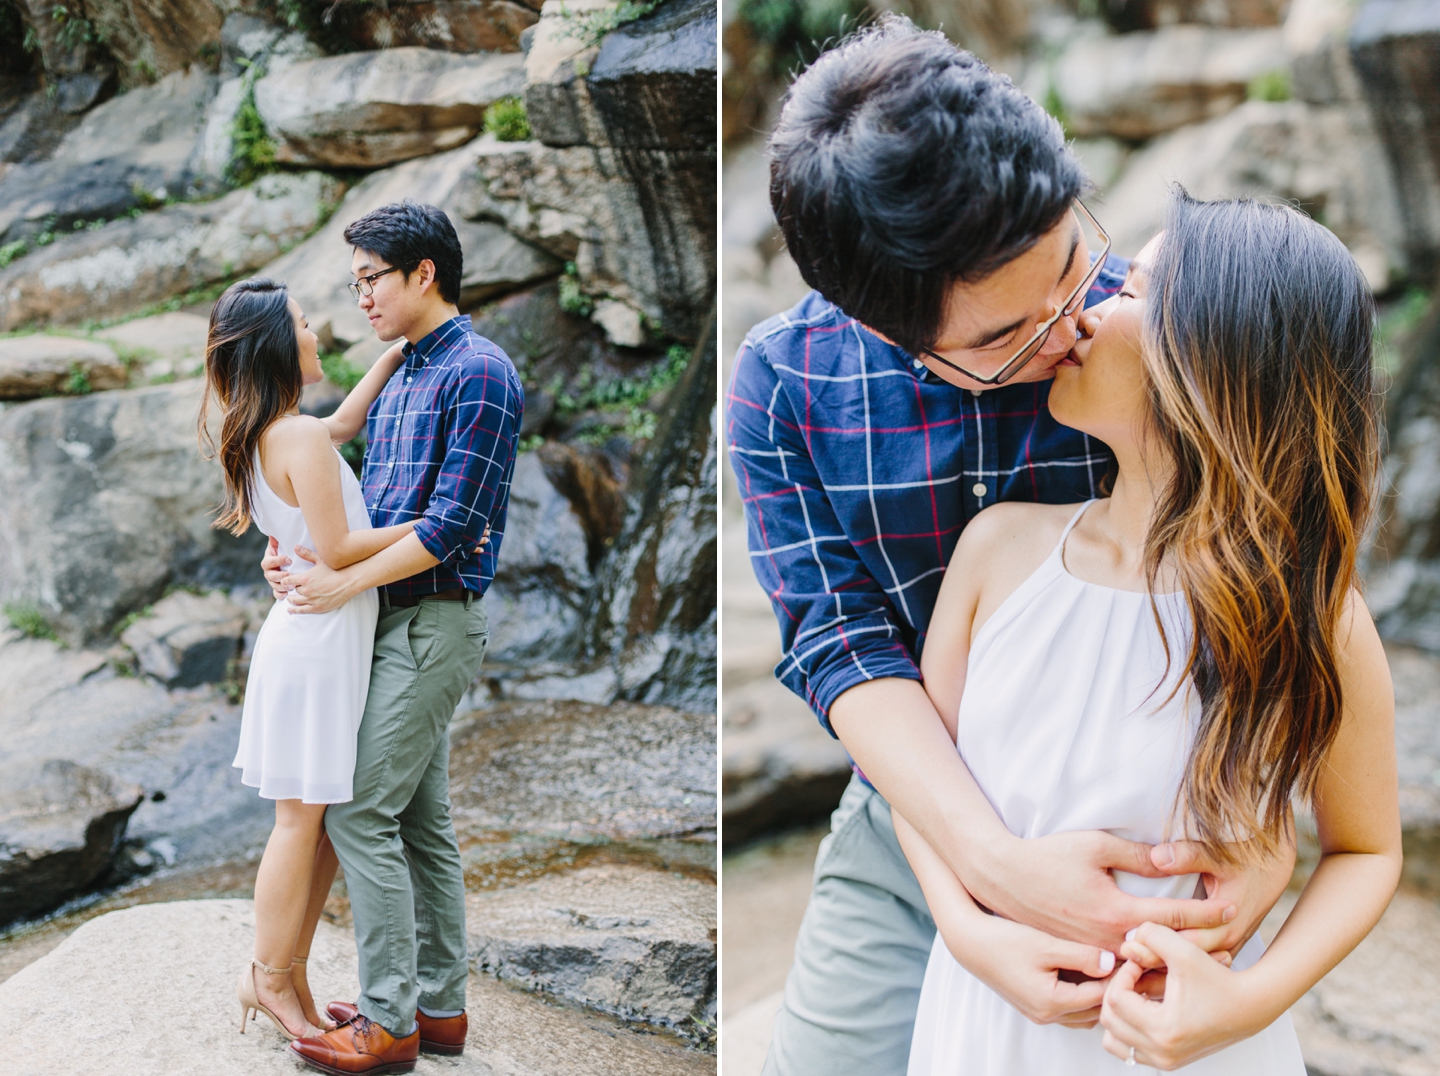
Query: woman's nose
[{"x": 1087, "y": 321}]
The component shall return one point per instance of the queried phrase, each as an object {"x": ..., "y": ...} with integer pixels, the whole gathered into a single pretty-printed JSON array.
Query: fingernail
[
  {"x": 1107, "y": 962},
  {"x": 1230, "y": 913},
  {"x": 1130, "y": 934},
  {"x": 1163, "y": 856}
]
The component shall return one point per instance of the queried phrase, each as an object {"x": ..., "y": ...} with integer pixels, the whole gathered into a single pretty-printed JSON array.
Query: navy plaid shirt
[
  {"x": 859, "y": 468},
  {"x": 442, "y": 438}
]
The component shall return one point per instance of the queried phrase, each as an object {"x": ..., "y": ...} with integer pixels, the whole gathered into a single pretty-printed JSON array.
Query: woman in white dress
[
  {"x": 1179, "y": 658},
  {"x": 309, "y": 675}
]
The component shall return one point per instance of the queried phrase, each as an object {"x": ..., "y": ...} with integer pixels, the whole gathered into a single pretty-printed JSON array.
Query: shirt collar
[{"x": 422, "y": 351}]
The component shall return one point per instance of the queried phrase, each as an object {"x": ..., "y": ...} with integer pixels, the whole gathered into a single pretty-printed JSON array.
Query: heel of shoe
[{"x": 246, "y": 1014}]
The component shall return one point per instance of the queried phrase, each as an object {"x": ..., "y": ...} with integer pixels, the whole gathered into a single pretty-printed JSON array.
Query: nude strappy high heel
[{"x": 250, "y": 1004}]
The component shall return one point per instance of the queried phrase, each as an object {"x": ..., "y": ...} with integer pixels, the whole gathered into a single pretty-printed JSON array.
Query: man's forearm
[
  {"x": 893, "y": 733},
  {"x": 405, "y": 558}
]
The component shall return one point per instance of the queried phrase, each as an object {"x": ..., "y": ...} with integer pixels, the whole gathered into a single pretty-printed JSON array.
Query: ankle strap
[
  {"x": 268, "y": 970},
  {"x": 298, "y": 959}
]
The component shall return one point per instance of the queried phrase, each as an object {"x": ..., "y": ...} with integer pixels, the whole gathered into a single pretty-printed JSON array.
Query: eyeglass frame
[
  {"x": 1036, "y": 342},
  {"x": 355, "y": 285}
]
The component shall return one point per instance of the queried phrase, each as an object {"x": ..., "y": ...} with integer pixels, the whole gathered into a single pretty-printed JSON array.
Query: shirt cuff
[
  {"x": 442, "y": 542},
  {"x": 823, "y": 667}
]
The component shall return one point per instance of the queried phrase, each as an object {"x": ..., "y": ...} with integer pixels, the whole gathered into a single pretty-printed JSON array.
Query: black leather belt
[{"x": 459, "y": 594}]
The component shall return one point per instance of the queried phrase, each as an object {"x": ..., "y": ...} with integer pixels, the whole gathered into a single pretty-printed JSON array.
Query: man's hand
[
  {"x": 274, "y": 563},
  {"x": 1062, "y": 885},
  {"x": 1037, "y": 973},
  {"x": 1252, "y": 889},
  {"x": 319, "y": 590}
]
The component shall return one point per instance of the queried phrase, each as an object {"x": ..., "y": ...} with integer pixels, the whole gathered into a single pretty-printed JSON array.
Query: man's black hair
[
  {"x": 901, "y": 165},
  {"x": 405, "y": 234}
]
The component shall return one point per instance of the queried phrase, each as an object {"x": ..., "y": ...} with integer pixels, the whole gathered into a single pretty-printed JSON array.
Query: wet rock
[
  {"x": 1127, "y": 15},
  {"x": 60, "y": 825},
  {"x": 104, "y": 502},
  {"x": 130, "y": 263},
  {"x": 140, "y": 141},
  {"x": 653, "y": 613},
  {"x": 32, "y": 130},
  {"x": 169, "y": 345},
  {"x": 651, "y": 85},
  {"x": 78, "y": 93},
  {"x": 39, "y": 365},
  {"x": 580, "y": 772},
  {"x": 60, "y": 54},
  {"x": 1139, "y": 85},
  {"x": 587, "y": 479},
  {"x": 1326, "y": 160},
  {"x": 451, "y": 25},
  {"x": 781, "y": 769},
  {"x": 156, "y": 37},
  {"x": 625, "y": 940},
  {"x": 1395, "y": 47},
  {"x": 318, "y": 270},
  {"x": 370, "y": 109},
  {"x": 183, "y": 957},
  {"x": 188, "y": 639}
]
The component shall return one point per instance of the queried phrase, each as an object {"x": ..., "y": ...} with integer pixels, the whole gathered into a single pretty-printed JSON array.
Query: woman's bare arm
[{"x": 349, "y": 418}]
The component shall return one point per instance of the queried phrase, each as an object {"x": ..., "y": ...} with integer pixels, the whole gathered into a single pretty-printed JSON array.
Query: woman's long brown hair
[
  {"x": 252, "y": 368},
  {"x": 1258, "y": 348}
]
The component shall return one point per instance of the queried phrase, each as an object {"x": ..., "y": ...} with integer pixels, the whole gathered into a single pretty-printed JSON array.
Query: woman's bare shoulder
[{"x": 1015, "y": 530}]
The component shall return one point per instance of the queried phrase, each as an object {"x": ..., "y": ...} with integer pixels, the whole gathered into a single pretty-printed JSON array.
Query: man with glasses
[{"x": 935, "y": 211}]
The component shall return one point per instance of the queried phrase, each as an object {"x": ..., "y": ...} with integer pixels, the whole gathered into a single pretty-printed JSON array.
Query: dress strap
[{"x": 1060, "y": 545}]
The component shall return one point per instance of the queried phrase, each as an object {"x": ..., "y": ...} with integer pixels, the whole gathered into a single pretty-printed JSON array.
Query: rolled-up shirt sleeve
[
  {"x": 837, "y": 627},
  {"x": 483, "y": 410}
]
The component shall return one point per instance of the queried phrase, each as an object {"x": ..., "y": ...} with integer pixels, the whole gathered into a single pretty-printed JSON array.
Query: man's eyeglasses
[
  {"x": 365, "y": 286},
  {"x": 1032, "y": 347}
]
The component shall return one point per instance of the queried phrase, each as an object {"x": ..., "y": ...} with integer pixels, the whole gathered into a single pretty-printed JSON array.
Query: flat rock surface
[
  {"x": 183, "y": 958},
  {"x": 627, "y": 940},
  {"x": 169, "y": 343},
  {"x": 41, "y": 365}
]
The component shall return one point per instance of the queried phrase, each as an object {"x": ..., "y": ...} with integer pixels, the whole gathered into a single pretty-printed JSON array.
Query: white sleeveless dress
[
  {"x": 309, "y": 673},
  {"x": 1062, "y": 726}
]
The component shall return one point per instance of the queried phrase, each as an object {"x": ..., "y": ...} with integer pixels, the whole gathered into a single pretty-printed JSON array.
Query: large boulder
[
  {"x": 369, "y": 109},
  {"x": 1139, "y": 85},
  {"x": 1315, "y": 39},
  {"x": 319, "y": 268},
  {"x": 105, "y": 501},
  {"x": 134, "y": 262},
  {"x": 1326, "y": 160},
  {"x": 41, "y": 365},
  {"x": 452, "y": 25},
  {"x": 1395, "y": 46},
  {"x": 188, "y": 639},
  {"x": 135, "y": 146},
  {"x": 60, "y": 825},
  {"x": 167, "y": 345},
  {"x": 631, "y": 941},
  {"x": 150, "y": 38}
]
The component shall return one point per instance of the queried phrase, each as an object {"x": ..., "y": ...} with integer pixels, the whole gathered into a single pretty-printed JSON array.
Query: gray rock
[
  {"x": 1139, "y": 85},
  {"x": 1127, "y": 15},
  {"x": 318, "y": 270},
  {"x": 994, "y": 29},
  {"x": 75, "y": 94},
  {"x": 130, "y": 263},
  {"x": 625, "y": 940},
  {"x": 39, "y": 365},
  {"x": 60, "y": 56},
  {"x": 184, "y": 956},
  {"x": 169, "y": 344},
  {"x": 156, "y": 37},
  {"x": 451, "y": 25},
  {"x": 1323, "y": 159},
  {"x": 188, "y": 639},
  {"x": 376, "y": 108},
  {"x": 1315, "y": 37},
  {"x": 141, "y": 140},
  {"x": 1416, "y": 675},
  {"x": 60, "y": 825},
  {"x": 1395, "y": 47},
  {"x": 32, "y": 130},
  {"x": 104, "y": 502}
]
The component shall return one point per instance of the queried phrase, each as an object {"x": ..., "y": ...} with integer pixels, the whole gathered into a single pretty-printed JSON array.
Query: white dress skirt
[
  {"x": 1066, "y": 725},
  {"x": 309, "y": 673}
]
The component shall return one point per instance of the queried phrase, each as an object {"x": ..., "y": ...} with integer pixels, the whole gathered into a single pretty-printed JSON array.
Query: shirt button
[
  {"x": 917, "y": 364},
  {"x": 407, "y": 381},
  {"x": 978, "y": 489},
  {"x": 976, "y": 392}
]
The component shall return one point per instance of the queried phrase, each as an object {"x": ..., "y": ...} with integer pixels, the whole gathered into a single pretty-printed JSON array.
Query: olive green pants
[{"x": 395, "y": 839}]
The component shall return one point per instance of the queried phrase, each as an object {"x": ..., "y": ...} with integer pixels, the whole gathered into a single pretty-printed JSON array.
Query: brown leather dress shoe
[
  {"x": 360, "y": 1046},
  {"x": 438, "y": 1034}
]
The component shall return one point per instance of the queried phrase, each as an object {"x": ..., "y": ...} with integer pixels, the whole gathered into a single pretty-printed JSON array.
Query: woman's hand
[
  {"x": 1035, "y": 972},
  {"x": 274, "y": 563},
  {"x": 1203, "y": 1007}
]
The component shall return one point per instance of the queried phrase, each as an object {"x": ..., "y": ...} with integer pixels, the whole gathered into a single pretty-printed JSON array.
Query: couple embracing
[
  {"x": 1063, "y": 550},
  {"x": 377, "y": 629}
]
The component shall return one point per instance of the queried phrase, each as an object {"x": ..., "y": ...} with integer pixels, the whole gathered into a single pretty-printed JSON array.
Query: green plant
[
  {"x": 252, "y": 151},
  {"x": 507, "y": 120},
  {"x": 73, "y": 31},
  {"x": 146, "y": 199},
  {"x": 130, "y": 618},
  {"x": 590, "y": 27},
  {"x": 531, "y": 443},
  {"x": 1395, "y": 324},
  {"x": 10, "y": 251},
  {"x": 29, "y": 621},
  {"x": 792, "y": 33},
  {"x": 353, "y": 452},
  {"x": 572, "y": 299},
  {"x": 1271, "y": 86},
  {"x": 78, "y": 383},
  {"x": 341, "y": 372}
]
